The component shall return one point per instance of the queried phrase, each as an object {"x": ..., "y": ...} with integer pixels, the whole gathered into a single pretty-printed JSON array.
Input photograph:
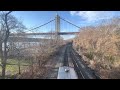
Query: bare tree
[{"x": 7, "y": 23}]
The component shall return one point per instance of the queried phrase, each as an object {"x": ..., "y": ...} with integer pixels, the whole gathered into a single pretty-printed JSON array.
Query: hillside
[{"x": 101, "y": 45}]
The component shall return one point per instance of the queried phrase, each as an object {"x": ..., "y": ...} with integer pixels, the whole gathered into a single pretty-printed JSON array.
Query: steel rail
[{"x": 77, "y": 67}]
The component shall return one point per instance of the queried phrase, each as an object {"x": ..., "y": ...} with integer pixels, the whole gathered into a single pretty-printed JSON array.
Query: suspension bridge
[{"x": 57, "y": 26}]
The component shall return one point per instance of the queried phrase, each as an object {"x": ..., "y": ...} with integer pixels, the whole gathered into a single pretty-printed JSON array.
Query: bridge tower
[{"x": 57, "y": 27}]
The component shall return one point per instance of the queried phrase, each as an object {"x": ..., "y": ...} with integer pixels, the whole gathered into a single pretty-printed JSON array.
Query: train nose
[{"x": 66, "y": 70}]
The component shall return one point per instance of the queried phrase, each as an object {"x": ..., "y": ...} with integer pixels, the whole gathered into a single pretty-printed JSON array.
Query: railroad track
[
  {"x": 65, "y": 61},
  {"x": 74, "y": 67},
  {"x": 80, "y": 68}
]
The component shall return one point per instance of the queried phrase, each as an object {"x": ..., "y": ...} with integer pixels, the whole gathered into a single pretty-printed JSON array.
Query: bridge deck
[{"x": 59, "y": 33}]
